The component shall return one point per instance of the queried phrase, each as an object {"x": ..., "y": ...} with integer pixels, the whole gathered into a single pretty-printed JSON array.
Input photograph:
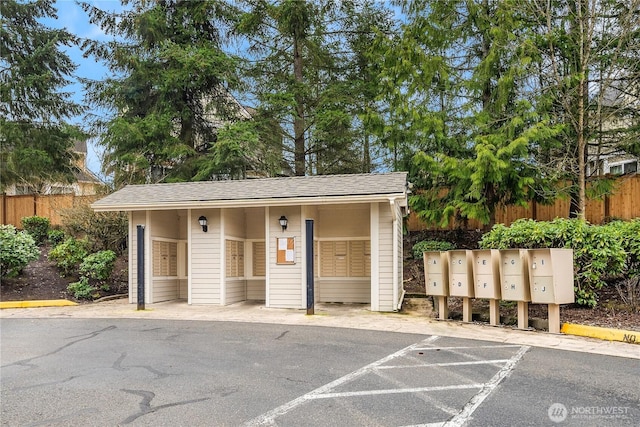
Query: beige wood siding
[
  {"x": 385, "y": 260},
  {"x": 137, "y": 218},
  {"x": 346, "y": 290},
  {"x": 234, "y": 223},
  {"x": 256, "y": 290},
  {"x": 165, "y": 224},
  {"x": 183, "y": 291},
  {"x": 205, "y": 262},
  {"x": 254, "y": 220},
  {"x": 236, "y": 290},
  {"x": 399, "y": 256},
  {"x": 335, "y": 221},
  {"x": 285, "y": 284},
  {"x": 165, "y": 289}
]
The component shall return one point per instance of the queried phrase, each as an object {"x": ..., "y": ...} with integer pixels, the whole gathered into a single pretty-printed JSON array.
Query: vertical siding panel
[
  {"x": 385, "y": 260},
  {"x": 284, "y": 281},
  {"x": 205, "y": 258}
]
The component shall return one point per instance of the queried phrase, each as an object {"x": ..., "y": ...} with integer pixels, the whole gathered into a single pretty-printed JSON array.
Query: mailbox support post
[
  {"x": 554, "y": 318},
  {"x": 443, "y": 309},
  {"x": 494, "y": 312},
  {"x": 523, "y": 315},
  {"x": 466, "y": 310}
]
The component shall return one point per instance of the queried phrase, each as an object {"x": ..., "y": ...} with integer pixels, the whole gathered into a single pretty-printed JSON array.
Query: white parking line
[
  {"x": 460, "y": 417},
  {"x": 476, "y": 400},
  {"x": 269, "y": 417},
  {"x": 428, "y": 365},
  {"x": 395, "y": 391}
]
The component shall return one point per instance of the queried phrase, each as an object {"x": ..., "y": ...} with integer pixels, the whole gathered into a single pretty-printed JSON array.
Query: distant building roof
[{"x": 258, "y": 192}]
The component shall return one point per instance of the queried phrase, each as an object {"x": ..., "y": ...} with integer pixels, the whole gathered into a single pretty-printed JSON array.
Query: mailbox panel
[
  {"x": 433, "y": 262},
  {"x": 551, "y": 276},
  {"x": 436, "y": 284},
  {"x": 511, "y": 262},
  {"x": 543, "y": 290},
  {"x": 483, "y": 262},
  {"x": 515, "y": 288},
  {"x": 487, "y": 286},
  {"x": 458, "y": 262},
  {"x": 461, "y": 285},
  {"x": 541, "y": 264}
]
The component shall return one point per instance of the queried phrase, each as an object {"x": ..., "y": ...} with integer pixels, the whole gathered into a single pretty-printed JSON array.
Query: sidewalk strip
[
  {"x": 631, "y": 337},
  {"x": 37, "y": 303}
]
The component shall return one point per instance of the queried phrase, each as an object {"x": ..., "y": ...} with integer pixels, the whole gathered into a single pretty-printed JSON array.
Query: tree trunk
[{"x": 298, "y": 121}]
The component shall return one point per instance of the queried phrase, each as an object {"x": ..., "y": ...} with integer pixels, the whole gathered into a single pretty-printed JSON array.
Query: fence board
[
  {"x": 14, "y": 208},
  {"x": 623, "y": 203}
]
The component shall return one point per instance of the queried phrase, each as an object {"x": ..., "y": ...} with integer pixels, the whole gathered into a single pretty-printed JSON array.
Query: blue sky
[{"x": 76, "y": 21}]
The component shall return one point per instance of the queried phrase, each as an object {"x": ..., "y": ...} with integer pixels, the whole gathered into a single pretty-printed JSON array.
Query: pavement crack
[
  {"x": 282, "y": 335},
  {"x": 145, "y": 404},
  {"x": 25, "y": 362},
  {"x": 117, "y": 365}
]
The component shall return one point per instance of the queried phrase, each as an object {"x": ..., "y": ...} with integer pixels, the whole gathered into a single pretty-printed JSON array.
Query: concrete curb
[
  {"x": 608, "y": 334},
  {"x": 36, "y": 303}
]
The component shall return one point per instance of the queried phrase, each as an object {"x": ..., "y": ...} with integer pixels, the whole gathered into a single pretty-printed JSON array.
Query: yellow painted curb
[
  {"x": 631, "y": 337},
  {"x": 37, "y": 303}
]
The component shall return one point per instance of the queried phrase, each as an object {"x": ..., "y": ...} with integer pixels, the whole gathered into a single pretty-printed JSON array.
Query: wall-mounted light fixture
[
  {"x": 283, "y": 222},
  {"x": 203, "y": 223}
]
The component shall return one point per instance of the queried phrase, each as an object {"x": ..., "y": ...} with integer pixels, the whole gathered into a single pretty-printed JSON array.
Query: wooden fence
[
  {"x": 14, "y": 208},
  {"x": 623, "y": 203}
]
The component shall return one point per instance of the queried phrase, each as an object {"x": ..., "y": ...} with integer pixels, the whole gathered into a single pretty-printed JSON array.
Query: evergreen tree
[
  {"x": 36, "y": 140},
  {"x": 303, "y": 61},
  {"x": 170, "y": 96},
  {"x": 455, "y": 80}
]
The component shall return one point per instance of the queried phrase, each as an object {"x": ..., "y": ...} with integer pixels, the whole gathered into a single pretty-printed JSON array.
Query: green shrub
[
  {"x": 56, "y": 237},
  {"x": 628, "y": 282},
  {"x": 430, "y": 245},
  {"x": 68, "y": 255},
  {"x": 82, "y": 289},
  {"x": 103, "y": 230},
  {"x": 598, "y": 251},
  {"x": 17, "y": 249},
  {"x": 98, "y": 266},
  {"x": 37, "y": 227}
]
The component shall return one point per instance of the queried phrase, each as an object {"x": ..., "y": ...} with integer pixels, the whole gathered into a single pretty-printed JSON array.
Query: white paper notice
[
  {"x": 282, "y": 244},
  {"x": 288, "y": 257}
]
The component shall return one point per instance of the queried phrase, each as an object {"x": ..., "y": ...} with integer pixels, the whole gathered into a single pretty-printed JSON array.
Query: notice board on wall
[{"x": 285, "y": 250}]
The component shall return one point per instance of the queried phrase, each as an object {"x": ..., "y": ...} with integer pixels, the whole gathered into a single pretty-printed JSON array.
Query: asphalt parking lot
[{"x": 201, "y": 373}]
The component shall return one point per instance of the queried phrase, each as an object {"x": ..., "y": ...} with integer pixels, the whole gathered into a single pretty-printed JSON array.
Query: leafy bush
[
  {"x": 56, "y": 237},
  {"x": 17, "y": 249},
  {"x": 103, "y": 230},
  {"x": 37, "y": 227},
  {"x": 98, "y": 266},
  {"x": 69, "y": 254},
  {"x": 430, "y": 245},
  {"x": 628, "y": 282},
  {"x": 598, "y": 251},
  {"x": 81, "y": 289}
]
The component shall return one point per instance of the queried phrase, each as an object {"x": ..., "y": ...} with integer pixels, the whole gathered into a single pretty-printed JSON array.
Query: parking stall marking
[{"x": 459, "y": 416}]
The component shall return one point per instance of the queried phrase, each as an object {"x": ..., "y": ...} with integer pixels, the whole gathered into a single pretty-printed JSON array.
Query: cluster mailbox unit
[
  {"x": 461, "y": 279},
  {"x": 436, "y": 272},
  {"x": 486, "y": 274},
  {"x": 551, "y": 277},
  {"x": 514, "y": 279},
  {"x": 541, "y": 276}
]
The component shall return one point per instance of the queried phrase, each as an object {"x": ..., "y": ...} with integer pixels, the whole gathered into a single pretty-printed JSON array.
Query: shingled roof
[{"x": 258, "y": 192}]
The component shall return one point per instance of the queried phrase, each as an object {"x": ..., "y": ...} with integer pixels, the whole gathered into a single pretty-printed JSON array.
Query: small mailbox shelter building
[{"x": 222, "y": 242}]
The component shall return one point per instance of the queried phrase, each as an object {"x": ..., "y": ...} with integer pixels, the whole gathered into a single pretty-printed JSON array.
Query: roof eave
[{"x": 202, "y": 204}]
